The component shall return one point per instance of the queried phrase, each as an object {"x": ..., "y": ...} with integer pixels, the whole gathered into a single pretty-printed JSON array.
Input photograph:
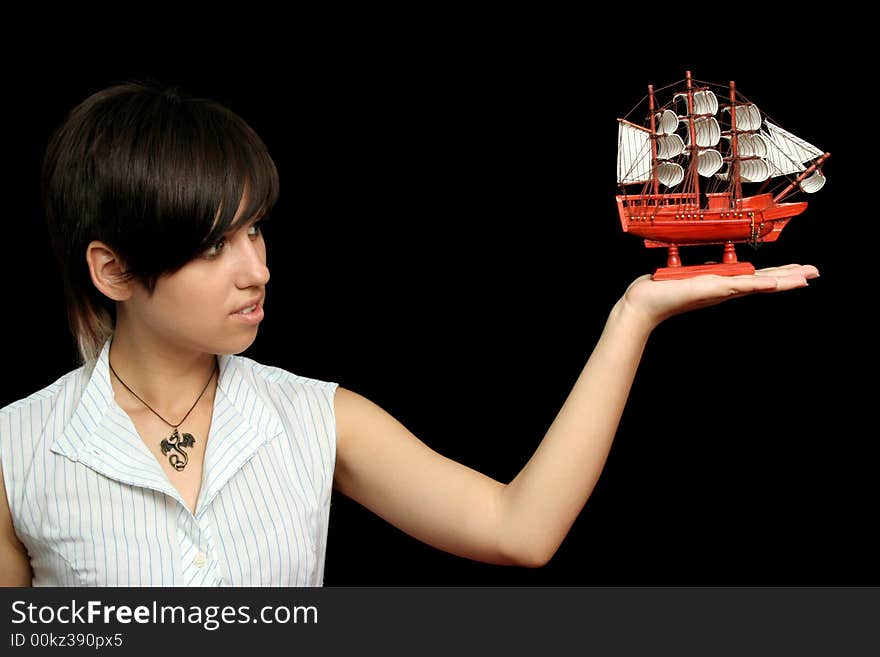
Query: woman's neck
[{"x": 168, "y": 377}]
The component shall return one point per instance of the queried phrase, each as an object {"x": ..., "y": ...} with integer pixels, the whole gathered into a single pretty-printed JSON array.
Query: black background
[{"x": 447, "y": 244}]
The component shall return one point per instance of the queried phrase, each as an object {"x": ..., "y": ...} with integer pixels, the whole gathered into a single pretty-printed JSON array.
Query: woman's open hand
[{"x": 653, "y": 301}]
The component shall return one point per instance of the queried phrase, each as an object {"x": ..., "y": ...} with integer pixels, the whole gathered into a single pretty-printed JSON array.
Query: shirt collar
[{"x": 101, "y": 435}]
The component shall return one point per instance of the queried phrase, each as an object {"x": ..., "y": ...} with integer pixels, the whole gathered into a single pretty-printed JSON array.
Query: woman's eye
[{"x": 213, "y": 251}]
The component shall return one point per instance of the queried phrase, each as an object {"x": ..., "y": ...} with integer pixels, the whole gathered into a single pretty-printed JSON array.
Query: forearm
[{"x": 541, "y": 503}]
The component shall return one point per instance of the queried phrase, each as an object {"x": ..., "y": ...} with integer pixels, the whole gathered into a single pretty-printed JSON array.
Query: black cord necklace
[{"x": 175, "y": 442}]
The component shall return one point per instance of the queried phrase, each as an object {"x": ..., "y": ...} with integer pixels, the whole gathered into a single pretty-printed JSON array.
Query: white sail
[
  {"x": 669, "y": 173},
  {"x": 813, "y": 183},
  {"x": 633, "y": 154},
  {"x": 751, "y": 145},
  {"x": 803, "y": 150},
  {"x": 787, "y": 153},
  {"x": 708, "y": 162},
  {"x": 668, "y": 146},
  {"x": 708, "y": 132},
  {"x": 748, "y": 117},
  {"x": 754, "y": 170},
  {"x": 666, "y": 122},
  {"x": 705, "y": 102}
]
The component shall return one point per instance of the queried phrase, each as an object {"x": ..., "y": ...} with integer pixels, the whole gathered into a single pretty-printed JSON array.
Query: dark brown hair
[{"x": 157, "y": 175}]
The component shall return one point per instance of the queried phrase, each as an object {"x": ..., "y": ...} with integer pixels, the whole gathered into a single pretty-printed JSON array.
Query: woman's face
[{"x": 196, "y": 306}]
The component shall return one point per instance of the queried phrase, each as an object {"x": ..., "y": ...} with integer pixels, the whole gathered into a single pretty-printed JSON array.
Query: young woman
[{"x": 167, "y": 460}]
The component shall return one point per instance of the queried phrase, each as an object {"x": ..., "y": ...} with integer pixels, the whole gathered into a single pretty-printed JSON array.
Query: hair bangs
[
  {"x": 204, "y": 173},
  {"x": 240, "y": 181}
]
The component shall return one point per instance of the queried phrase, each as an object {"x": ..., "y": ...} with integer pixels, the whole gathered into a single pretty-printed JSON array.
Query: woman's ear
[{"x": 108, "y": 271}]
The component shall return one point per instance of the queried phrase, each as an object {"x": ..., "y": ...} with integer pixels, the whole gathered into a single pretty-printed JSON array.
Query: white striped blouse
[{"x": 93, "y": 506}]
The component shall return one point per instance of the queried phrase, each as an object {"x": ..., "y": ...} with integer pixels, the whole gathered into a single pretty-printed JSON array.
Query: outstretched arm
[
  {"x": 387, "y": 469},
  {"x": 541, "y": 503}
]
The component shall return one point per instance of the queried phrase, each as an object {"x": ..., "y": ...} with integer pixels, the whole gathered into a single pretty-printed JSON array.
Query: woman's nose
[{"x": 252, "y": 267}]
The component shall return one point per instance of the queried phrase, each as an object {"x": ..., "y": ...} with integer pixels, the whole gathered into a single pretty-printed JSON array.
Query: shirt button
[{"x": 200, "y": 559}]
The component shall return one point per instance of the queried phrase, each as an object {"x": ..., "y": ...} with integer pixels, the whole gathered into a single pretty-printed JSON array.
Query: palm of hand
[{"x": 659, "y": 300}]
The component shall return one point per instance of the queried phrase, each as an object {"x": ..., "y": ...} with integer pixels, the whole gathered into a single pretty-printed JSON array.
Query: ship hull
[{"x": 683, "y": 223}]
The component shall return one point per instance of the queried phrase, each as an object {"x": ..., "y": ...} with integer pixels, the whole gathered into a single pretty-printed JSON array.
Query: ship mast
[
  {"x": 653, "y": 139},
  {"x": 692, "y": 165},
  {"x": 734, "y": 148}
]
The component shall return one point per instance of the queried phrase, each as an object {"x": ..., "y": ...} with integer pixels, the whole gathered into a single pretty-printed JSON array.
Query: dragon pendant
[{"x": 175, "y": 443}]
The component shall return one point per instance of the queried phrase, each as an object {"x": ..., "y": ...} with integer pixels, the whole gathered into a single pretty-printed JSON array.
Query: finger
[
  {"x": 790, "y": 282},
  {"x": 749, "y": 284},
  {"x": 778, "y": 269},
  {"x": 781, "y": 282},
  {"x": 811, "y": 271},
  {"x": 808, "y": 271}
]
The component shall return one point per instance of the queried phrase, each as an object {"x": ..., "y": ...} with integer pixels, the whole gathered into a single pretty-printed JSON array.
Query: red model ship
[{"x": 691, "y": 160}]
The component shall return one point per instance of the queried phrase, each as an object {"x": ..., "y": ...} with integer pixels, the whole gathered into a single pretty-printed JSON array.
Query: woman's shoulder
[
  {"x": 46, "y": 397},
  {"x": 272, "y": 375},
  {"x": 28, "y": 425},
  {"x": 295, "y": 400}
]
